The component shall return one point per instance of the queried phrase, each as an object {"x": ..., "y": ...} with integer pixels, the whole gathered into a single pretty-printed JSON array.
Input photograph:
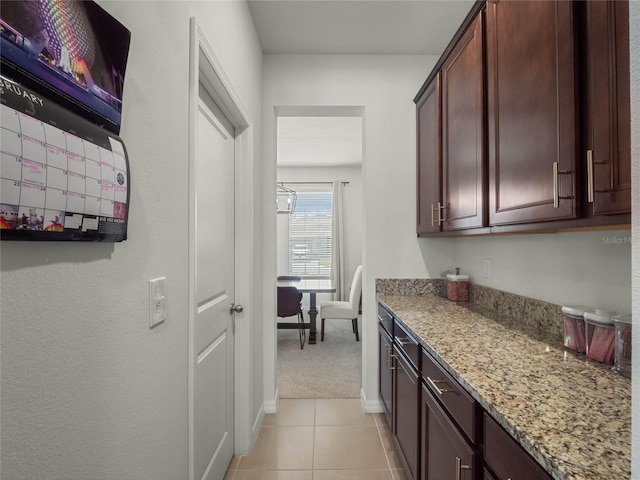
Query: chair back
[
  {"x": 356, "y": 289},
  {"x": 289, "y": 299},
  {"x": 290, "y": 278}
]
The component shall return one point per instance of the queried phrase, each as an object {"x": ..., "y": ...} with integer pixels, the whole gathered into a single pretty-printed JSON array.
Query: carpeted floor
[{"x": 329, "y": 369}]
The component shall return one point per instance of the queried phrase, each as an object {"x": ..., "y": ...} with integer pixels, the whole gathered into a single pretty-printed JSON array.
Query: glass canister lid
[
  {"x": 626, "y": 318},
  {"x": 605, "y": 317},
  {"x": 576, "y": 310},
  {"x": 452, "y": 277}
]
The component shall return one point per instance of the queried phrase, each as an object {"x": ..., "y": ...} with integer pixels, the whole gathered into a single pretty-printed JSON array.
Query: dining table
[{"x": 312, "y": 286}]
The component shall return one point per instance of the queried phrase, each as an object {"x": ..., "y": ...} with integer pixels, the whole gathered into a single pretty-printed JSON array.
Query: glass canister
[
  {"x": 573, "y": 327},
  {"x": 600, "y": 335},
  {"x": 622, "y": 364},
  {"x": 458, "y": 287}
]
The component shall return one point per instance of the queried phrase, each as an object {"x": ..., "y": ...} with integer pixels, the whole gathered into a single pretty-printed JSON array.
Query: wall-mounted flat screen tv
[{"x": 70, "y": 51}]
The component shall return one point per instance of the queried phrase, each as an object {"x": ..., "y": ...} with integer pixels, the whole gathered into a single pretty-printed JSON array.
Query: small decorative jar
[
  {"x": 622, "y": 325},
  {"x": 458, "y": 287}
]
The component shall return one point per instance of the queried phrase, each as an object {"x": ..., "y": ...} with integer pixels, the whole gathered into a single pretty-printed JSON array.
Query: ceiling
[
  {"x": 373, "y": 27},
  {"x": 351, "y": 27}
]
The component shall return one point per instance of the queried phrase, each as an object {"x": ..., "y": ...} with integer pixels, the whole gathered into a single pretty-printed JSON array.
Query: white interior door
[{"x": 213, "y": 335}]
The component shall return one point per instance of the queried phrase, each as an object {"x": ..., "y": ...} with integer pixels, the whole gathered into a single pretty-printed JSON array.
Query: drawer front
[
  {"x": 446, "y": 454},
  {"x": 457, "y": 402},
  {"x": 407, "y": 345},
  {"x": 386, "y": 319},
  {"x": 505, "y": 457}
]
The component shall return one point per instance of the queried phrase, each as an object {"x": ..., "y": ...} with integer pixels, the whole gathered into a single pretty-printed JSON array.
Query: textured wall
[{"x": 88, "y": 390}]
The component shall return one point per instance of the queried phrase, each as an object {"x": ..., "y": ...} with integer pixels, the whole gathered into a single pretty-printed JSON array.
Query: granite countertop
[{"x": 570, "y": 413}]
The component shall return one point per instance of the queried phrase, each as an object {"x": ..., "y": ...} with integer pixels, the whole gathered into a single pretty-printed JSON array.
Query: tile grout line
[
  {"x": 378, "y": 426},
  {"x": 313, "y": 438}
]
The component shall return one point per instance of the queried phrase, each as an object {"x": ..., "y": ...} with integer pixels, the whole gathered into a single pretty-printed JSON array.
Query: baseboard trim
[
  {"x": 271, "y": 406},
  {"x": 370, "y": 406}
]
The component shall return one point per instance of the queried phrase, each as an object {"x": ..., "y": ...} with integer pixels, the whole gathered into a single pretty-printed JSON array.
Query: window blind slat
[{"x": 310, "y": 235}]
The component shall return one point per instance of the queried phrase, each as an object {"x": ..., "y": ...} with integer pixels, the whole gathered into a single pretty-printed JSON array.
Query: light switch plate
[{"x": 157, "y": 301}]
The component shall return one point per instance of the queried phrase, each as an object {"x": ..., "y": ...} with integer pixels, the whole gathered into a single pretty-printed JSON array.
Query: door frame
[{"x": 206, "y": 69}]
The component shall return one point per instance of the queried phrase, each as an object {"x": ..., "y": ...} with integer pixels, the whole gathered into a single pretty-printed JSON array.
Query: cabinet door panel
[
  {"x": 429, "y": 159},
  {"x": 506, "y": 458},
  {"x": 486, "y": 475},
  {"x": 445, "y": 453},
  {"x": 463, "y": 142},
  {"x": 385, "y": 379},
  {"x": 406, "y": 410},
  {"x": 608, "y": 133},
  {"x": 531, "y": 110}
]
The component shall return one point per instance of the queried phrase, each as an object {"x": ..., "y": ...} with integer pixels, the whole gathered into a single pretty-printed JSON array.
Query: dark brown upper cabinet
[
  {"x": 463, "y": 158},
  {"x": 531, "y": 106},
  {"x": 607, "y": 118},
  {"x": 524, "y": 123},
  {"x": 429, "y": 172},
  {"x": 450, "y": 132}
]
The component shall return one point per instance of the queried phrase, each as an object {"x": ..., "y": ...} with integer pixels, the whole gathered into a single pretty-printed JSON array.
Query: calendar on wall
[{"x": 62, "y": 177}]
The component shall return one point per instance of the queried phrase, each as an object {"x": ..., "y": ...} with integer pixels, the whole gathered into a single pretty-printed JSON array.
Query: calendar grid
[{"x": 57, "y": 178}]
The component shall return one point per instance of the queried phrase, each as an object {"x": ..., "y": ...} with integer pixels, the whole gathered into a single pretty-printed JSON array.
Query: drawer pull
[
  {"x": 439, "y": 390},
  {"x": 404, "y": 341},
  {"x": 460, "y": 467}
]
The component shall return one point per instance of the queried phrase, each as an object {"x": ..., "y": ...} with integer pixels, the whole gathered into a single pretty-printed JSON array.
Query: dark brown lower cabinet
[
  {"x": 506, "y": 458},
  {"x": 385, "y": 379},
  {"x": 406, "y": 406},
  {"x": 446, "y": 455},
  {"x": 486, "y": 475}
]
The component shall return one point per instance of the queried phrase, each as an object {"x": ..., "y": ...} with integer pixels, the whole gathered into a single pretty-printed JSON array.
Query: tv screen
[{"x": 70, "y": 51}]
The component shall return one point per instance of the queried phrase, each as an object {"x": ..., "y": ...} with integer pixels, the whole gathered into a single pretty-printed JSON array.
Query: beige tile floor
[{"x": 319, "y": 440}]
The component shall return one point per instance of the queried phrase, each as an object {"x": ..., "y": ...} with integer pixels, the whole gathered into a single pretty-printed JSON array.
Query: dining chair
[
  {"x": 289, "y": 305},
  {"x": 344, "y": 310}
]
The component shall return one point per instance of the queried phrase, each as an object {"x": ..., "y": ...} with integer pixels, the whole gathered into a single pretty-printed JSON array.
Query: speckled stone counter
[{"x": 572, "y": 414}]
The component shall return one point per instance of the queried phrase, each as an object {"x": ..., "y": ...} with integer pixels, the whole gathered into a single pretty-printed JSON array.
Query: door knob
[{"x": 235, "y": 308}]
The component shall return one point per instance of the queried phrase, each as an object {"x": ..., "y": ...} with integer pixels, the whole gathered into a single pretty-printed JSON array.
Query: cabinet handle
[
  {"x": 460, "y": 467},
  {"x": 556, "y": 194},
  {"x": 404, "y": 341},
  {"x": 590, "y": 176},
  {"x": 556, "y": 200},
  {"x": 439, "y": 210},
  {"x": 439, "y": 390},
  {"x": 391, "y": 357}
]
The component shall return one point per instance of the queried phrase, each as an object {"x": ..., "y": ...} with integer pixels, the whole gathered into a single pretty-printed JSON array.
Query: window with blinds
[{"x": 310, "y": 235}]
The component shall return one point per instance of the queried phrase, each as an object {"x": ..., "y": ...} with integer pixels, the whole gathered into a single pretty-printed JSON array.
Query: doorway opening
[{"x": 319, "y": 158}]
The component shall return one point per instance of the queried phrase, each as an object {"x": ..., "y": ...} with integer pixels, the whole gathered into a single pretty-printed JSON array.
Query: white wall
[
  {"x": 581, "y": 268},
  {"x": 385, "y": 87},
  {"x": 589, "y": 268},
  {"x": 352, "y": 215},
  {"x": 88, "y": 390},
  {"x": 634, "y": 31}
]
